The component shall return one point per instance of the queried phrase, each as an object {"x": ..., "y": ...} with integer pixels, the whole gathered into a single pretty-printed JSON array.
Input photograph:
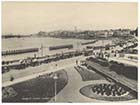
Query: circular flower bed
[
  {"x": 106, "y": 92},
  {"x": 109, "y": 90}
]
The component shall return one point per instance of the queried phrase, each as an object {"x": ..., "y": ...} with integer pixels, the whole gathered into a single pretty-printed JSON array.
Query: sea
[{"x": 45, "y": 42}]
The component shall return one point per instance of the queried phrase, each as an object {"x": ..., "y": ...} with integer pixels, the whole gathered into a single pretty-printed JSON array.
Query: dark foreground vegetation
[
  {"x": 130, "y": 72},
  {"x": 88, "y": 75},
  {"x": 40, "y": 89}
]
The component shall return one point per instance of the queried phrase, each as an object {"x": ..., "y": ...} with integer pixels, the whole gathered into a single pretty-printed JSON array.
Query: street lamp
[{"x": 55, "y": 77}]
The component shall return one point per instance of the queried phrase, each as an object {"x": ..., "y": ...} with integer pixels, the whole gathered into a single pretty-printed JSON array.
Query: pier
[
  {"x": 90, "y": 42},
  {"x": 61, "y": 47},
  {"x": 19, "y": 51}
]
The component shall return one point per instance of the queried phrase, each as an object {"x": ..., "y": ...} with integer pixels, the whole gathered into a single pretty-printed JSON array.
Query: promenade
[
  {"x": 33, "y": 72},
  {"x": 71, "y": 92},
  {"x": 117, "y": 78},
  {"x": 124, "y": 61}
]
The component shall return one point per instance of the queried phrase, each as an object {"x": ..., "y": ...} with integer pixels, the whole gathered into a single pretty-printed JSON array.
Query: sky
[{"x": 32, "y": 17}]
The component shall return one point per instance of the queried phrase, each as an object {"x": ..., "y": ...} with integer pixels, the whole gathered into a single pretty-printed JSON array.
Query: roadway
[
  {"x": 71, "y": 92},
  {"x": 114, "y": 76},
  {"x": 33, "y": 72}
]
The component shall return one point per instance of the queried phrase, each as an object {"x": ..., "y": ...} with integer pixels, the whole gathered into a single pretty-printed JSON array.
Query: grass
[
  {"x": 40, "y": 89},
  {"x": 87, "y": 75}
]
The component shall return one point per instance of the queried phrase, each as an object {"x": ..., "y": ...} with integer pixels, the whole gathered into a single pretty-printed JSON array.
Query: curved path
[{"x": 71, "y": 93}]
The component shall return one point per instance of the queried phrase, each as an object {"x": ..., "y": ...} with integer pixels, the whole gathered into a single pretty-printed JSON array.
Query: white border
[
  {"x": 111, "y": 103},
  {"x": 75, "y": 0}
]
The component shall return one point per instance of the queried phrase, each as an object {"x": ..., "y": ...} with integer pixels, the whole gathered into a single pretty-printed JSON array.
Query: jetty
[{"x": 19, "y": 51}]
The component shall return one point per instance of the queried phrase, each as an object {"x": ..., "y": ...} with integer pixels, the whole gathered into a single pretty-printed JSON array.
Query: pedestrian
[
  {"x": 12, "y": 78},
  {"x": 76, "y": 62}
]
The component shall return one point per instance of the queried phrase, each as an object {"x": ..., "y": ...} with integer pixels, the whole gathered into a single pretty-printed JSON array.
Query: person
[
  {"x": 12, "y": 78},
  {"x": 76, "y": 62}
]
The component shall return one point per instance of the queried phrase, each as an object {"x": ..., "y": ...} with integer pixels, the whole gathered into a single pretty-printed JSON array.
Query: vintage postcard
[{"x": 69, "y": 52}]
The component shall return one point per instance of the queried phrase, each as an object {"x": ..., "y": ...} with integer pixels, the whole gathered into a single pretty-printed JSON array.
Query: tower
[{"x": 75, "y": 29}]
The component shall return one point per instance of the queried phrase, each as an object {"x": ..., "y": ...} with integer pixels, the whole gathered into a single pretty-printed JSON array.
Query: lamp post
[
  {"x": 41, "y": 48},
  {"x": 55, "y": 85}
]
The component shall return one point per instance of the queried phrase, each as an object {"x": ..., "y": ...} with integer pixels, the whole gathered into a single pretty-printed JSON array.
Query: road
[
  {"x": 124, "y": 61},
  {"x": 118, "y": 78},
  {"x": 71, "y": 93},
  {"x": 32, "y": 72}
]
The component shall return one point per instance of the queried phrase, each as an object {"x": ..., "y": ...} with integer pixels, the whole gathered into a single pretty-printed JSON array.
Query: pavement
[
  {"x": 33, "y": 72},
  {"x": 71, "y": 92},
  {"x": 132, "y": 84},
  {"x": 124, "y": 61}
]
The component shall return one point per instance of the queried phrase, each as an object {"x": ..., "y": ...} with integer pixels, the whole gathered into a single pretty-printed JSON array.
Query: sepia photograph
[{"x": 69, "y": 52}]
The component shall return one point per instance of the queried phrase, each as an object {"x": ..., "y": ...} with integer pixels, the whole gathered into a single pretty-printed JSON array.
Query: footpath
[
  {"x": 33, "y": 72},
  {"x": 71, "y": 92}
]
